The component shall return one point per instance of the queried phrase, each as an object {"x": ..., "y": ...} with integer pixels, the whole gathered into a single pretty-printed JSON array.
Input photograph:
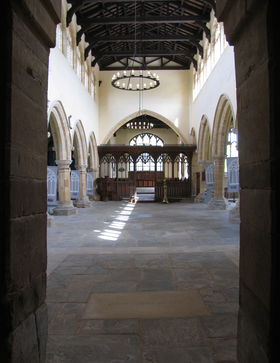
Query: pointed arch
[
  {"x": 149, "y": 113},
  {"x": 223, "y": 118},
  {"x": 80, "y": 143},
  {"x": 92, "y": 148},
  {"x": 58, "y": 124},
  {"x": 204, "y": 147}
]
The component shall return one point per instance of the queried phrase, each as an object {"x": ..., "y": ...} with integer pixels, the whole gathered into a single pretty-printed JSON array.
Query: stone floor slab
[
  {"x": 158, "y": 275},
  {"x": 108, "y": 326},
  {"x": 125, "y": 286},
  {"x": 66, "y": 320},
  {"x": 173, "y": 333},
  {"x": 101, "y": 349},
  {"x": 125, "y": 275},
  {"x": 155, "y": 286},
  {"x": 145, "y": 305},
  {"x": 219, "y": 326},
  {"x": 178, "y": 355}
]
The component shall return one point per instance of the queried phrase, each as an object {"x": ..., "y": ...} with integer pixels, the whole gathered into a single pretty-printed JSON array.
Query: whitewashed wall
[
  {"x": 65, "y": 86},
  {"x": 170, "y": 99},
  {"x": 221, "y": 81}
]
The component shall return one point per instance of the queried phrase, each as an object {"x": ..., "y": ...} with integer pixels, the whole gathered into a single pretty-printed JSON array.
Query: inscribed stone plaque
[{"x": 158, "y": 304}]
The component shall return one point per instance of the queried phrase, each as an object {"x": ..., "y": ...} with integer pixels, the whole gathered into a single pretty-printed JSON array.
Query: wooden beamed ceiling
[{"x": 165, "y": 34}]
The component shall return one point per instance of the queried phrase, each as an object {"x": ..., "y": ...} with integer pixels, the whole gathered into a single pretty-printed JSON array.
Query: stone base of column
[
  {"x": 50, "y": 220},
  {"x": 82, "y": 203},
  {"x": 234, "y": 213},
  {"x": 218, "y": 203},
  {"x": 65, "y": 208},
  {"x": 199, "y": 198},
  {"x": 94, "y": 198}
]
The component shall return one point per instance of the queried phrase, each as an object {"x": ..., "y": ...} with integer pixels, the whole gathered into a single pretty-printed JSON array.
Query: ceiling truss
[{"x": 164, "y": 34}]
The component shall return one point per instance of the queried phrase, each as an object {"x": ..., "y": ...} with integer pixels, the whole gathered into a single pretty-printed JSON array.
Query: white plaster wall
[
  {"x": 221, "y": 81},
  {"x": 65, "y": 86},
  {"x": 170, "y": 99},
  {"x": 124, "y": 136}
]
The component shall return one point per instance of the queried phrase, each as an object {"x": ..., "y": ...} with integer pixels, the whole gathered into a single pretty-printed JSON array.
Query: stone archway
[
  {"x": 222, "y": 120},
  {"x": 149, "y": 113},
  {"x": 93, "y": 164},
  {"x": 80, "y": 152},
  {"x": 204, "y": 154},
  {"x": 60, "y": 131},
  {"x": 62, "y": 143},
  {"x": 93, "y": 152}
]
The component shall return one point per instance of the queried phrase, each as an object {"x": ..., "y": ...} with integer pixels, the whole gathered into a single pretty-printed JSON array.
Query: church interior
[{"x": 118, "y": 116}]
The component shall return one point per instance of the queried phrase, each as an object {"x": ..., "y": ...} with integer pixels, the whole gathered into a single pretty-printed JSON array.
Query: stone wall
[
  {"x": 27, "y": 33},
  {"x": 251, "y": 26}
]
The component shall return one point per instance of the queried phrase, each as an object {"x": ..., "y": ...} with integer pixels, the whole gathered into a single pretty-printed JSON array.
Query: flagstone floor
[{"x": 144, "y": 282}]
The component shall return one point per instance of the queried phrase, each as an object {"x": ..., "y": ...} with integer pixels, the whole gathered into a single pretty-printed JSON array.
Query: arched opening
[
  {"x": 159, "y": 122},
  {"x": 79, "y": 175},
  {"x": 204, "y": 156},
  {"x": 222, "y": 123},
  {"x": 59, "y": 159}
]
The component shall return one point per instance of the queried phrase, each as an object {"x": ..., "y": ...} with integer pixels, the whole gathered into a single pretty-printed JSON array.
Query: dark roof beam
[
  {"x": 211, "y": 3},
  {"x": 151, "y": 53},
  {"x": 147, "y": 38},
  {"x": 75, "y": 7},
  {"x": 200, "y": 19},
  {"x": 205, "y": 29},
  {"x": 124, "y": 1}
]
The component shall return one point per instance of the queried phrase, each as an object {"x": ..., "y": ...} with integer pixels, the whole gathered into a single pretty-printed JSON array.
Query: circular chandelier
[
  {"x": 143, "y": 124},
  {"x": 135, "y": 80}
]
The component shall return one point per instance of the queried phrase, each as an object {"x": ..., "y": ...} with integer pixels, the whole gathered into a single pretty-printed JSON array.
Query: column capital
[
  {"x": 81, "y": 167},
  {"x": 201, "y": 161},
  {"x": 63, "y": 163},
  {"x": 219, "y": 157}
]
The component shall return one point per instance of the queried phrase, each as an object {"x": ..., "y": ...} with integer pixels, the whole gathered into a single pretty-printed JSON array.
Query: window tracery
[
  {"x": 212, "y": 53},
  {"x": 59, "y": 36},
  {"x": 79, "y": 63},
  {"x": 70, "y": 50},
  {"x": 146, "y": 139}
]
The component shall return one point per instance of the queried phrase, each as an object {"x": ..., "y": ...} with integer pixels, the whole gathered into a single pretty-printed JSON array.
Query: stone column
[
  {"x": 200, "y": 197},
  {"x": 83, "y": 200},
  {"x": 219, "y": 201},
  {"x": 64, "y": 205}
]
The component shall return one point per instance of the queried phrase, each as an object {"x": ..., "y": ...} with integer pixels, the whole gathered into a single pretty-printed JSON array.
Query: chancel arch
[{"x": 147, "y": 113}]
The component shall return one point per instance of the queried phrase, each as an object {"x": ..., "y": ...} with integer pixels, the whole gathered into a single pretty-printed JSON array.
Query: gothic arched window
[{"x": 146, "y": 139}]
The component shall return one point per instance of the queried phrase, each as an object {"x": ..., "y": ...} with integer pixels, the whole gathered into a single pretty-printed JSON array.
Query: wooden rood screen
[{"x": 147, "y": 166}]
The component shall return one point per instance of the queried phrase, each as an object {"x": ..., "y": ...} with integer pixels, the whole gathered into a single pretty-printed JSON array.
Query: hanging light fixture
[
  {"x": 140, "y": 124},
  {"x": 136, "y": 76},
  {"x": 136, "y": 79}
]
